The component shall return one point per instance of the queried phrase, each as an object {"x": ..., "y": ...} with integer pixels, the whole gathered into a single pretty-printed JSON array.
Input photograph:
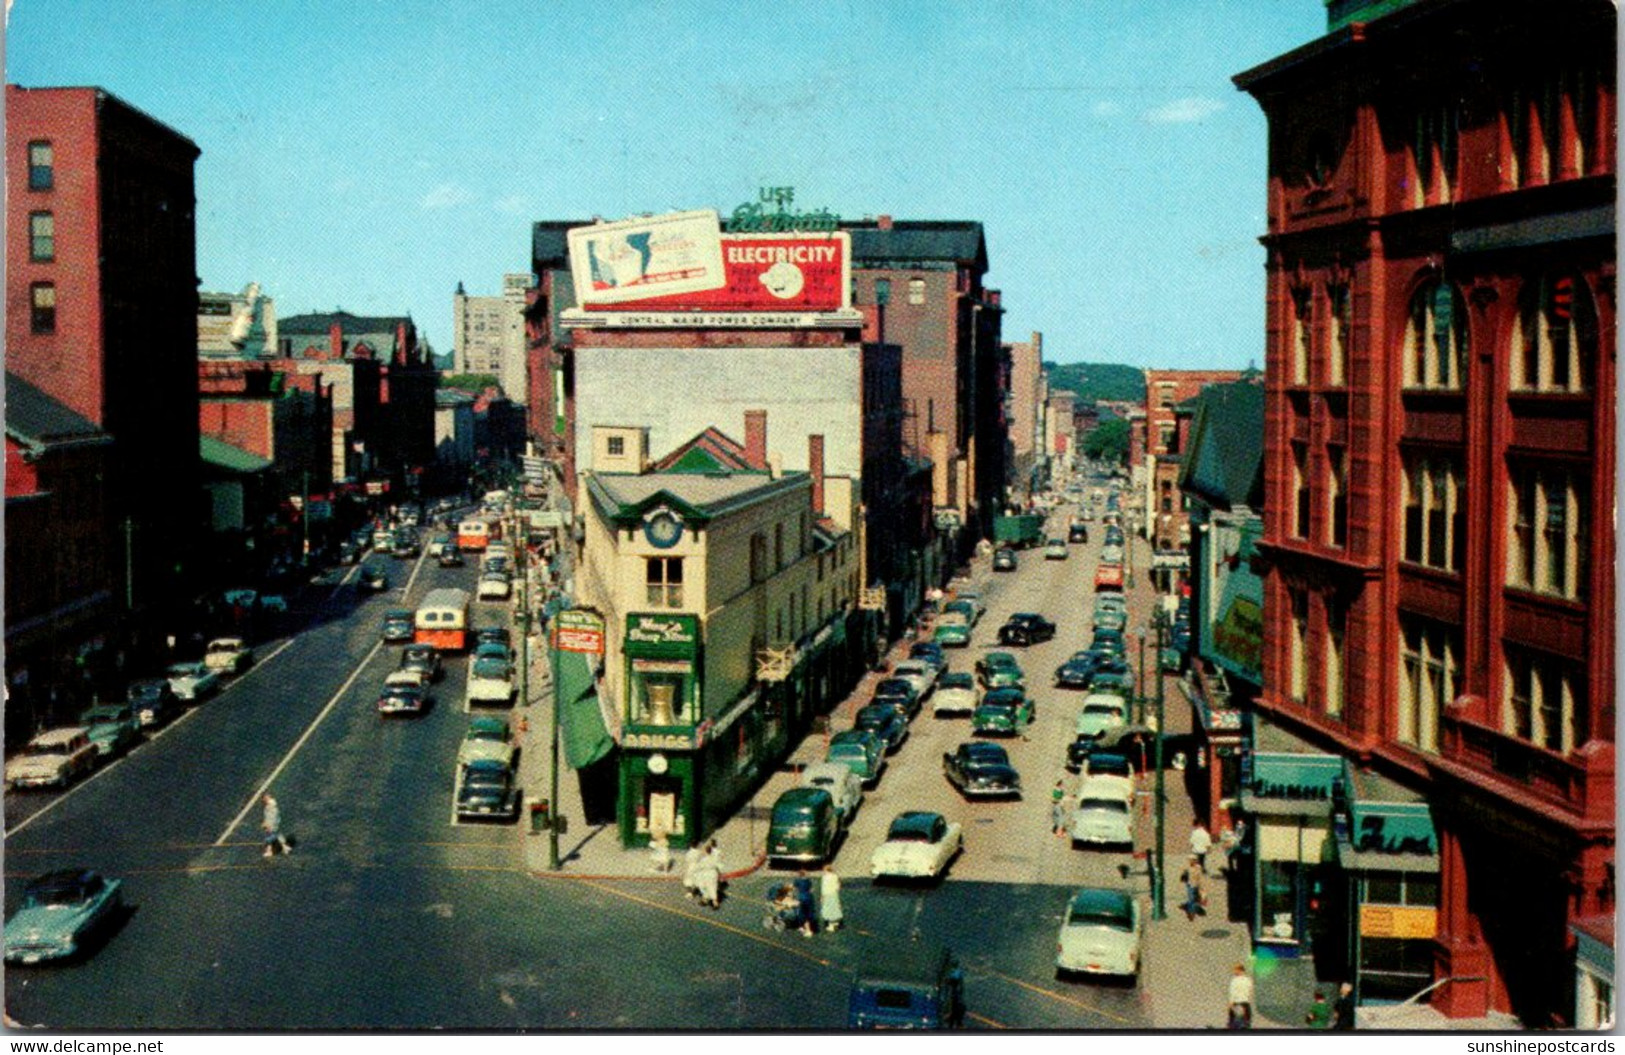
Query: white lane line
[
  {"x": 85, "y": 783},
  {"x": 423, "y": 555},
  {"x": 254, "y": 799}
]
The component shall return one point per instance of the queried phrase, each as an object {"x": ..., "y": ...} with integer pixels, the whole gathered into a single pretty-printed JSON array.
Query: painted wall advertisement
[
  {"x": 1238, "y": 632},
  {"x": 765, "y": 272},
  {"x": 628, "y": 260}
]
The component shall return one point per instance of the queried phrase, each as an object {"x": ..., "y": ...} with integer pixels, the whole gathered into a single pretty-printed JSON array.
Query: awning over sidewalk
[
  {"x": 581, "y": 724},
  {"x": 1389, "y": 837}
]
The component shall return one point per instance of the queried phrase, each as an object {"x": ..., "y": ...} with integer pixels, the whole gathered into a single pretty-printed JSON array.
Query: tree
[
  {"x": 475, "y": 383},
  {"x": 1108, "y": 442}
]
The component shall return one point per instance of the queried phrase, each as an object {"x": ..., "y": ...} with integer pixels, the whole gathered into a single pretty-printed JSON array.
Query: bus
[
  {"x": 475, "y": 533},
  {"x": 1109, "y": 577},
  {"x": 442, "y": 620}
]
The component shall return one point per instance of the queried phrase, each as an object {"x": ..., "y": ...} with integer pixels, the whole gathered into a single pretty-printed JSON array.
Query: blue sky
[{"x": 370, "y": 155}]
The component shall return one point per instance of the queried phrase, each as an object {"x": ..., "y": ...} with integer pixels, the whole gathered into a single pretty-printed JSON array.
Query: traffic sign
[{"x": 576, "y": 630}]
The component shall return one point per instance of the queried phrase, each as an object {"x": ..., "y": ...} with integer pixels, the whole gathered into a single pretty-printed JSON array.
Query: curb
[{"x": 635, "y": 878}]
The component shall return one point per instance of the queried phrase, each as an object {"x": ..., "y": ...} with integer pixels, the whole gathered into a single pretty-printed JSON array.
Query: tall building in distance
[
  {"x": 489, "y": 335},
  {"x": 1167, "y": 523},
  {"x": 1439, "y": 474}
]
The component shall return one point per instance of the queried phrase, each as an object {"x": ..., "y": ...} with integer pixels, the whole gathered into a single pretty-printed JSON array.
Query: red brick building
[
  {"x": 101, "y": 307},
  {"x": 1440, "y": 460},
  {"x": 284, "y": 417},
  {"x": 1166, "y": 523}
]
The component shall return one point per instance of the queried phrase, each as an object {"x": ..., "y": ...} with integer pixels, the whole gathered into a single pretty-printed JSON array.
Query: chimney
[
  {"x": 756, "y": 439},
  {"x": 775, "y": 468},
  {"x": 884, "y": 222},
  {"x": 815, "y": 469},
  {"x": 335, "y": 341}
]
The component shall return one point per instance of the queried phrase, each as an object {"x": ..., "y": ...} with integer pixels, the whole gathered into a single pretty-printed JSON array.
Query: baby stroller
[{"x": 785, "y": 910}]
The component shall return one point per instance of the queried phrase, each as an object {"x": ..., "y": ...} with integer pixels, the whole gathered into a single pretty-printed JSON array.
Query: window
[
  {"x": 41, "y": 166},
  {"x": 616, "y": 446},
  {"x": 1165, "y": 394},
  {"x": 1515, "y": 146},
  {"x": 916, "y": 291},
  {"x": 1435, "y": 339},
  {"x": 1341, "y": 322},
  {"x": 1336, "y": 630},
  {"x": 1548, "y": 545},
  {"x": 1337, "y": 496},
  {"x": 758, "y": 557},
  {"x": 1166, "y": 437},
  {"x": 663, "y": 579},
  {"x": 1301, "y": 334},
  {"x": 1435, "y": 502},
  {"x": 42, "y": 297},
  {"x": 1299, "y": 657},
  {"x": 41, "y": 237},
  {"x": 1429, "y": 678},
  {"x": 1435, "y": 153},
  {"x": 1544, "y": 701},
  {"x": 883, "y": 291},
  {"x": 1300, "y": 488},
  {"x": 778, "y": 546},
  {"x": 1556, "y": 338}
]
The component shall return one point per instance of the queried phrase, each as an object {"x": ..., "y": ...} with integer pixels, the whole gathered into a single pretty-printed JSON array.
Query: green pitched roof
[
  {"x": 1224, "y": 465},
  {"x": 223, "y": 455},
  {"x": 36, "y": 420}
]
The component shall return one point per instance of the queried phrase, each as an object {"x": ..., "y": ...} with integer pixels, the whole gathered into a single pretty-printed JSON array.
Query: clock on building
[{"x": 663, "y": 529}]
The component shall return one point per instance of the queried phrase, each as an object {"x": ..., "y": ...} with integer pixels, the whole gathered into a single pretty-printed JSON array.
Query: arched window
[
  {"x": 1556, "y": 340},
  {"x": 1436, "y": 338}
]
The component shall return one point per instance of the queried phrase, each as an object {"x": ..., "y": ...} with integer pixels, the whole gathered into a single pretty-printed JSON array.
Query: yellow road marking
[
  {"x": 985, "y": 1020},
  {"x": 1062, "y": 997},
  {"x": 138, "y": 847}
]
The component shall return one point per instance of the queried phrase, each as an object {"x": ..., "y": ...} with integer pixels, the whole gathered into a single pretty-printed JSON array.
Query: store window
[
  {"x": 1555, "y": 343},
  {"x": 1436, "y": 339},
  {"x": 42, "y": 307},
  {"x": 1393, "y": 967},
  {"x": 1435, "y": 503},
  {"x": 1300, "y": 488},
  {"x": 41, "y": 165},
  {"x": 1298, "y": 656},
  {"x": 41, "y": 237},
  {"x": 1429, "y": 678},
  {"x": 1341, "y": 320},
  {"x": 1548, "y": 544},
  {"x": 663, "y": 581},
  {"x": 662, "y": 692},
  {"x": 1544, "y": 702}
]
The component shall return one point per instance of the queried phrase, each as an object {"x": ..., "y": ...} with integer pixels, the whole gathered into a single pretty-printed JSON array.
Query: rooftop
[
  {"x": 36, "y": 420},
  {"x": 625, "y": 496},
  {"x": 321, "y": 322}
]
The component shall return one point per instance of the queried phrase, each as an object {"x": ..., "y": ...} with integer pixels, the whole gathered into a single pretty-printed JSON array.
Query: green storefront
[{"x": 660, "y": 767}]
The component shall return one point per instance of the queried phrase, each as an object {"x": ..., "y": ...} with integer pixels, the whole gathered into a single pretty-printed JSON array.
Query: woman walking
[{"x": 830, "y": 914}]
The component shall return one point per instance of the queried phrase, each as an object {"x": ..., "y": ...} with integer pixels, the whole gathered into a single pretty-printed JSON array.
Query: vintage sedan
[
  {"x": 488, "y": 737},
  {"x": 372, "y": 579},
  {"x": 1004, "y": 560},
  {"x": 53, "y": 758},
  {"x": 918, "y": 845},
  {"x": 229, "y": 654},
  {"x": 859, "y": 750},
  {"x": 1078, "y": 672},
  {"x": 1055, "y": 549},
  {"x": 999, "y": 670},
  {"x": 920, "y": 674},
  {"x": 422, "y": 658},
  {"x": 843, "y": 785},
  {"x": 60, "y": 913},
  {"x": 153, "y": 701},
  {"x": 490, "y": 682},
  {"x": 398, "y": 626},
  {"x": 113, "y": 728},
  {"x": 929, "y": 653},
  {"x": 886, "y": 722},
  {"x": 1026, "y": 628},
  {"x": 1101, "y": 933},
  {"x": 1101, "y": 712},
  {"x": 450, "y": 557},
  {"x": 900, "y": 693},
  {"x": 403, "y": 699},
  {"x": 486, "y": 791},
  {"x": 956, "y": 695},
  {"x": 952, "y": 630},
  {"x": 1105, "y": 813},
  {"x": 981, "y": 770},
  {"x": 1002, "y": 712},
  {"x": 493, "y": 587},
  {"x": 191, "y": 682},
  {"x": 972, "y": 597}
]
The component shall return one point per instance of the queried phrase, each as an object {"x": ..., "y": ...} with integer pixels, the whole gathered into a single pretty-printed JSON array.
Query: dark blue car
[
  {"x": 886, "y": 722},
  {"x": 913, "y": 986}
]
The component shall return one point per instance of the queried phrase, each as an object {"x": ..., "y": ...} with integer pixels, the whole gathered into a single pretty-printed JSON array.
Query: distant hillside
[{"x": 1098, "y": 380}]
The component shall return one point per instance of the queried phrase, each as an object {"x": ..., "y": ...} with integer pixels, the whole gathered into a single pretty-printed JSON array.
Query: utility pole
[
  {"x": 304, "y": 517},
  {"x": 1159, "y": 909},
  {"x": 553, "y": 771}
]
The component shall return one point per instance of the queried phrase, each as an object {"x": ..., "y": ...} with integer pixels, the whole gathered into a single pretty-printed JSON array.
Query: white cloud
[
  {"x": 446, "y": 196},
  {"x": 1107, "y": 109},
  {"x": 1183, "y": 111},
  {"x": 512, "y": 205}
]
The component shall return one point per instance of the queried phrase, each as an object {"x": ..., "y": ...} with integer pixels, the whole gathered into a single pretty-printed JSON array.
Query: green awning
[
  {"x": 223, "y": 455},
  {"x": 581, "y": 723}
]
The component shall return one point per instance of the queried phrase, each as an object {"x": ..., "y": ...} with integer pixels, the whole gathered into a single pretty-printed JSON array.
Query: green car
[
  {"x": 999, "y": 670},
  {"x": 804, "y": 826},
  {"x": 860, "y": 751},
  {"x": 951, "y": 632},
  {"x": 113, "y": 728},
  {"x": 1002, "y": 712},
  {"x": 965, "y": 607},
  {"x": 61, "y": 913}
]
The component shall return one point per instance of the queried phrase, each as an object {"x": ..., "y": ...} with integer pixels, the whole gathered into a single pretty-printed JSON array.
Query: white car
[
  {"x": 921, "y": 676},
  {"x": 54, "y": 757},
  {"x": 490, "y": 683},
  {"x": 413, "y": 678},
  {"x": 1101, "y": 933},
  {"x": 227, "y": 654},
  {"x": 956, "y": 694},
  {"x": 1105, "y": 813},
  {"x": 843, "y": 786},
  {"x": 193, "y": 681},
  {"x": 1102, "y": 711},
  {"x": 1112, "y": 555},
  {"x": 488, "y": 737},
  {"x": 494, "y": 588},
  {"x": 918, "y": 845}
]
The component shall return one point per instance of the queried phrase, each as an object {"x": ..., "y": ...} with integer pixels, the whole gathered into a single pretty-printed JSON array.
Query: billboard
[
  {"x": 767, "y": 272},
  {"x": 1236, "y": 641},
  {"x": 679, "y": 252}
]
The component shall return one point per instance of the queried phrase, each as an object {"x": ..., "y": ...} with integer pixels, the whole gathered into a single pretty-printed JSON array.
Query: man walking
[
  {"x": 1057, "y": 809},
  {"x": 1201, "y": 843},
  {"x": 1241, "y": 999},
  {"x": 272, "y": 826},
  {"x": 1343, "y": 1010}
]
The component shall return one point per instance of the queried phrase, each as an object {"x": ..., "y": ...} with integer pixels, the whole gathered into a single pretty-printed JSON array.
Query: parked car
[
  {"x": 230, "y": 655},
  {"x": 1105, "y": 766},
  {"x": 956, "y": 694},
  {"x": 490, "y": 682},
  {"x": 952, "y": 630},
  {"x": 981, "y": 770},
  {"x": 60, "y": 915},
  {"x": 1101, "y": 712},
  {"x": 494, "y": 587},
  {"x": 920, "y": 674},
  {"x": 1114, "y": 535},
  {"x": 402, "y": 698},
  {"x": 803, "y": 827},
  {"x": 859, "y": 750},
  {"x": 499, "y": 635},
  {"x": 486, "y": 790},
  {"x": 439, "y": 543},
  {"x": 1078, "y": 671},
  {"x": 929, "y": 653},
  {"x": 999, "y": 670},
  {"x": 398, "y": 626},
  {"x": 192, "y": 681},
  {"x": 55, "y": 757},
  {"x": 1108, "y": 641},
  {"x": 1111, "y": 553},
  {"x": 1002, "y": 712},
  {"x": 1026, "y": 628},
  {"x": 969, "y": 595},
  {"x": 405, "y": 544},
  {"x": 919, "y": 845},
  {"x": 1109, "y": 577},
  {"x": 909, "y": 986},
  {"x": 112, "y": 727},
  {"x": 1004, "y": 560},
  {"x": 450, "y": 557},
  {"x": 1078, "y": 532},
  {"x": 424, "y": 658},
  {"x": 843, "y": 785},
  {"x": 1101, "y": 933},
  {"x": 1055, "y": 549},
  {"x": 1104, "y": 815},
  {"x": 885, "y": 721},
  {"x": 1114, "y": 602},
  {"x": 488, "y": 737},
  {"x": 153, "y": 702},
  {"x": 900, "y": 693}
]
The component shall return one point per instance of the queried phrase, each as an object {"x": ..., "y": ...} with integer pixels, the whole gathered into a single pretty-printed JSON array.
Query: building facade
[
  {"x": 1440, "y": 458},
  {"x": 1029, "y": 393},
  {"x": 489, "y": 335},
  {"x": 1166, "y": 522}
]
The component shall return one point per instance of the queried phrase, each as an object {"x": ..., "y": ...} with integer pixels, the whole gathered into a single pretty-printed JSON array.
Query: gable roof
[
  {"x": 625, "y": 497},
  {"x": 322, "y": 321},
  {"x": 37, "y": 421},
  {"x": 223, "y": 455},
  {"x": 712, "y": 451},
  {"x": 952, "y": 241},
  {"x": 1224, "y": 466}
]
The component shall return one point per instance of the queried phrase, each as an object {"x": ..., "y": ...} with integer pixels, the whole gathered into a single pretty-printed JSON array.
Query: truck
[{"x": 1019, "y": 530}]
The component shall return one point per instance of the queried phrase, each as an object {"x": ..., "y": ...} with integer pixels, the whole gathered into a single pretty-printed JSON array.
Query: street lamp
[{"x": 1139, "y": 694}]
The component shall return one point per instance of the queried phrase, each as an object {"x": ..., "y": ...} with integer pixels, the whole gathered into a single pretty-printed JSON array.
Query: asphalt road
[{"x": 389, "y": 915}]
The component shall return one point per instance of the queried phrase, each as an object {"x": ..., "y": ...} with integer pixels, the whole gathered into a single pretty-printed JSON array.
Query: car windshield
[
  {"x": 850, "y": 749},
  {"x": 62, "y": 895},
  {"x": 1104, "y": 805},
  {"x": 958, "y": 681},
  {"x": 893, "y": 687},
  {"x": 985, "y": 754},
  {"x": 1101, "y": 918},
  {"x": 998, "y": 707},
  {"x": 1101, "y": 710},
  {"x": 186, "y": 670},
  {"x": 909, "y": 830},
  {"x": 1109, "y": 765},
  {"x": 490, "y": 667}
]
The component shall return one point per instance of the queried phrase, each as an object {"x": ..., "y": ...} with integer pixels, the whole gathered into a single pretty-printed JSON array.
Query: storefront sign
[
  {"x": 575, "y": 630},
  {"x": 1398, "y": 921},
  {"x": 1224, "y": 721},
  {"x": 679, "y": 252},
  {"x": 662, "y": 629},
  {"x": 661, "y": 666},
  {"x": 774, "y": 210},
  {"x": 658, "y": 741},
  {"x": 1237, "y": 636},
  {"x": 710, "y": 320}
]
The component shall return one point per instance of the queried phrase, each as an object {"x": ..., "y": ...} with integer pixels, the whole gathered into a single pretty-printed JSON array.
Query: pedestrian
[
  {"x": 1201, "y": 843},
  {"x": 271, "y": 824},
  {"x": 708, "y": 877},
  {"x": 691, "y": 870},
  {"x": 1343, "y": 1010},
  {"x": 806, "y": 910},
  {"x": 1241, "y": 999},
  {"x": 1320, "y": 1012},
  {"x": 830, "y": 914},
  {"x": 1195, "y": 899},
  {"x": 659, "y": 850},
  {"x": 1057, "y": 808}
]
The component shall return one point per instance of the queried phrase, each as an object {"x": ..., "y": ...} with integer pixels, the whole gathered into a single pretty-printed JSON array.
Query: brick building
[
  {"x": 1166, "y": 522},
  {"x": 1439, "y": 467},
  {"x": 1028, "y": 459},
  {"x": 284, "y": 417},
  {"x": 101, "y": 309}
]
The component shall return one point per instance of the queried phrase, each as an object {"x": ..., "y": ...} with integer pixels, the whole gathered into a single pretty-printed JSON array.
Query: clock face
[{"x": 663, "y": 530}]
